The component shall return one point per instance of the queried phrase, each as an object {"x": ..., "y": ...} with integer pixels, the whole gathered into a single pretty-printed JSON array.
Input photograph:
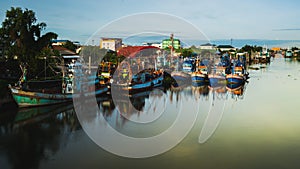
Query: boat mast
[{"x": 172, "y": 46}]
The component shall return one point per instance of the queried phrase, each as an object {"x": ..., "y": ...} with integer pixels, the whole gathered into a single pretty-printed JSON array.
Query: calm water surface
[{"x": 257, "y": 127}]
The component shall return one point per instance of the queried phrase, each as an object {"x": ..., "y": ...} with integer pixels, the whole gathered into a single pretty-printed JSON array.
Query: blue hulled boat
[
  {"x": 238, "y": 74},
  {"x": 201, "y": 73},
  {"x": 218, "y": 73}
]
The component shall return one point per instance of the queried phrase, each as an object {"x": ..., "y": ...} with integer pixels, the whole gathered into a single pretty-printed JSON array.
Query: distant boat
[
  {"x": 288, "y": 54},
  {"x": 188, "y": 66},
  {"x": 264, "y": 55}
]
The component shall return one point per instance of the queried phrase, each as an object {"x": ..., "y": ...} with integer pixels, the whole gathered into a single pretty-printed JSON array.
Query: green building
[{"x": 166, "y": 43}]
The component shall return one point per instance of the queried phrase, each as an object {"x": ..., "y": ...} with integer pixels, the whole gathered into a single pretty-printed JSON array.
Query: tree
[
  {"x": 70, "y": 45},
  {"x": 21, "y": 37}
]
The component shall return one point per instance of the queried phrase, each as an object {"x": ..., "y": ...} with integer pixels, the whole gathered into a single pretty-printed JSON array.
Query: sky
[{"x": 78, "y": 20}]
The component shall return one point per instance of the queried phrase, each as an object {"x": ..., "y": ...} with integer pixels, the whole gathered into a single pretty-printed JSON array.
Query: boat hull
[
  {"x": 140, "y": 87},
  {"x": 235, "y": 79},
  {"x": 181, "y": 78},
  {"x": 33, "y": 99},
  {"x": 216, "y": 80},
  {"x": 199, "y": 78}
]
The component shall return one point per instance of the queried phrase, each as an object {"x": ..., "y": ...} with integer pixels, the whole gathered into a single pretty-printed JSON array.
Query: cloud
[{"x": 287, "y": 29}]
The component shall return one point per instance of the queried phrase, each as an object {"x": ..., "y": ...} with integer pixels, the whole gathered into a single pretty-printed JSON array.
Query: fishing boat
[
  {"x": 264, "y": 56},
  {"x": 288, "y": 53},
  {"x": 217, "y": 76},
  {"x": 200, "y": 76},
  {"x": 181, "y": 78},
  {"x": 238, "y": 74},
  {"x": 147, "y": 79},
  {"x": 30, "y": 98},
  {"x": 72, "y": 87},
  {"x": 188, "y": 66},
  {"x": 237, "y": 77},
  {"x": 105, "y": 72}
]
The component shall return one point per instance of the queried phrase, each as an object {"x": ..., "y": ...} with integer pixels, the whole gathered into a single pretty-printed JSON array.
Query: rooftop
[
  {"x": 62, "y": 50},
  {"x": 225, "y": 46}
]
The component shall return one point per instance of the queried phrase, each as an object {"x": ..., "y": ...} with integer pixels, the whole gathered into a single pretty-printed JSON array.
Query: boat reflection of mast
[{"x": 213, "y": 118}]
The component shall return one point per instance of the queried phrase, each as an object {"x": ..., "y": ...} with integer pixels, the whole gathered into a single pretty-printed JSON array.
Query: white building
[
  {"x": 111, "y": 43},
  {"x": 207, "y": 46},
  {"x": 155, "y": 44},
  {"x": 226, "y": 48}
]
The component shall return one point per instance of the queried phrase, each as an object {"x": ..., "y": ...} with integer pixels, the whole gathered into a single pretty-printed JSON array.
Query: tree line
[{"x": 22, "y": 41}]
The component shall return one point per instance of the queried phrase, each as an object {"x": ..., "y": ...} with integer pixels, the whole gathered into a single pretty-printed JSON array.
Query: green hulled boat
[
  {"x": 70, "y": 88},
  {"x": 31, "y": 98}
]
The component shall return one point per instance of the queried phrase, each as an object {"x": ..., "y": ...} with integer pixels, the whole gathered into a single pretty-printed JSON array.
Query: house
[
  {"x": 207, "y": 46},
  {"x": 111, "y": 43},
  {"x": 167, "y": 43},
  {"x": 132, "y": 51},
  {"x": 57, "y": 42},
  {"x": 226, "y": 48},
  {"x": 155, "y": 44},
  {"x": 63, "y": 51}
]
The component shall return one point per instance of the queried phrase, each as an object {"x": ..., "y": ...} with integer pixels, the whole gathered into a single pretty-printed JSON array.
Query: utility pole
[{"x": 45, "y": 68}]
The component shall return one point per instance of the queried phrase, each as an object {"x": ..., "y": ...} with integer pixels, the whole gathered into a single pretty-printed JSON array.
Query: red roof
[
  {"x": 63, "y": 50},
  {"x": 131, "y": 51}
]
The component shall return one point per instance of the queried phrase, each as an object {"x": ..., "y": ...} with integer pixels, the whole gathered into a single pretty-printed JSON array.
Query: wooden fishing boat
[
  {"x": 142, "y": 81},
  {"x": 238, "y": 73},
  {"x": 237, "y": 76},
  {"x": 181, "y": 78},
  {"x": 200, "y": 76},
  {"x": 218, "y": 77},
  {"x": 71, "y": 88},
  {"x": 288, "y": 53},
  {"x": 28, "y": 98}
]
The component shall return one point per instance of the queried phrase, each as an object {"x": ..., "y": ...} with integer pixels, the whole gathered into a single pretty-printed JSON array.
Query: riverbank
[{"x": 5, "y": 96}]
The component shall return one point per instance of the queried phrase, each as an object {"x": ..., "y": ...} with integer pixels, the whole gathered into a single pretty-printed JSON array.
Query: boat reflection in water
[
  {"x": 236, "y": 90},
  {"x": 130, "y": 107},
  {"x": 45, "y": 131},
  {"x": 37, "y": 134},
  {"x": 34, "y": 115}
]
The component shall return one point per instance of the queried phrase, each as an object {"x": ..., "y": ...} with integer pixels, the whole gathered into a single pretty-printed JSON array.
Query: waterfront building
[
  {"x": 58, "y": 42},
  {"x": 63, "y": 51},
  {"x": 132, "y": 51},
  {"x": 166, "y": 43},
  {"x": 155, "y": 44},
  {"x": 226, "y": 48},
  {"x": 207, "y": 46},
  {"x": 111, "y": 43}
]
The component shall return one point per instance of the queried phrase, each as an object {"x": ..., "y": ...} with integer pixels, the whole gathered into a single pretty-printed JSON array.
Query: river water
[{"x": 256, "y": 126}]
